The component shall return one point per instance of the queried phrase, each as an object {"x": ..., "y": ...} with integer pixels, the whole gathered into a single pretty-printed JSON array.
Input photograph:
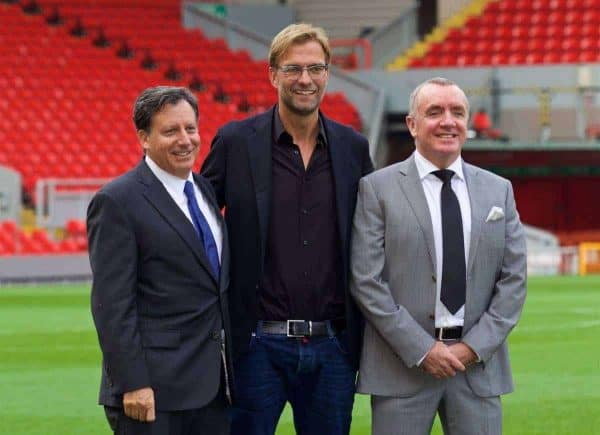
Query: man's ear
[
  {"x": 143, "y": 139},
  {"x": 273, "y": 77},
  {"x": 410, "y": 123}
]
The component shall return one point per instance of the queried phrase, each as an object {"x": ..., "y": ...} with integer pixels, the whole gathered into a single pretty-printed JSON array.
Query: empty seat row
[
  {"x": 518, "y": 32},
  {"x": 15, "y": 241}
]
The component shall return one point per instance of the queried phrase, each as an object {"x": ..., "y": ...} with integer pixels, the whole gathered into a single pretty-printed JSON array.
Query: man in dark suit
[
  {"x": 288, "y": 179},
  {"x": 159, "y": 256}
]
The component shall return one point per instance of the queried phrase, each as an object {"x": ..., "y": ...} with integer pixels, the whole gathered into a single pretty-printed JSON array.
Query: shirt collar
[
  {"x": 279, "y": 130},
  {"x": 425, "y": 167},
  {"x": 171, "y": 182}
]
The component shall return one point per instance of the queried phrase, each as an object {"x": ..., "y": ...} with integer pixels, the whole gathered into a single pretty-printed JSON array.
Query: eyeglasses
[{"x": 315, "y": 71}]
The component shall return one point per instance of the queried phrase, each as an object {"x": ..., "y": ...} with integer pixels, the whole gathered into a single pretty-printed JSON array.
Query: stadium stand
[
  {"x": 73, "y": 99},
  {"x": 511, "y": 32},
  {"x": 71, "y": 70}
]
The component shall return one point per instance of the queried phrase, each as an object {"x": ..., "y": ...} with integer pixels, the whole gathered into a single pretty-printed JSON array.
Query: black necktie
[
  {"x": 453, "y": 263},
  {"x": 202, "y": 228}
]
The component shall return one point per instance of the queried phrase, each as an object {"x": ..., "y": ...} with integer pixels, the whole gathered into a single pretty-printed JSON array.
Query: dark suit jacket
[
  {"x": 157, "y": 306},
  {"x": 239, "y": 168}
]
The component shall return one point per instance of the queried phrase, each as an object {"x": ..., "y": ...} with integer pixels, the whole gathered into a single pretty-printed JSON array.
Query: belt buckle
[
  {"x": 441, "y": 334},
  {"x": 288, "y": 326}
]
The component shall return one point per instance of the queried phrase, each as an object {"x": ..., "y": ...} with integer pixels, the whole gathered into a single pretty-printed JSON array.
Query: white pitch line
[{"x": 560, "y": 326}]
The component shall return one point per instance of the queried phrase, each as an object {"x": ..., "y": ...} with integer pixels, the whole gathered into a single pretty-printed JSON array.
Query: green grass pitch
[{"x": 49, "y": 363}]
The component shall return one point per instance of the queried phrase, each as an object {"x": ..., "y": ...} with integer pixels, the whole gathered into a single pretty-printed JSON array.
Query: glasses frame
[{"x": 294, "y": 72}]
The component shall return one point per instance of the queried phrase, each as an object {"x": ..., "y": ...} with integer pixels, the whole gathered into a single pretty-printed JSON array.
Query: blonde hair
[{"x": 297, "y": 34}]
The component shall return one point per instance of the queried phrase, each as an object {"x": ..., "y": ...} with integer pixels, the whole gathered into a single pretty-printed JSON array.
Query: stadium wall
[
  {"x": 264, "y": 19},
  {"x": 39, "y": 268}
]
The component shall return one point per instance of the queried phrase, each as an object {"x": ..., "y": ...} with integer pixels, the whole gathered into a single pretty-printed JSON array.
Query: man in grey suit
[{"x": 439, "y": 270}]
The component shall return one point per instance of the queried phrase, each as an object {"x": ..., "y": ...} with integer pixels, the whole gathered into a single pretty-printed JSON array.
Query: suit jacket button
[
  {"x": 431, "y": 317},
  {"x": 216, "y": 335},
  {"x": 433, "y": 278}
]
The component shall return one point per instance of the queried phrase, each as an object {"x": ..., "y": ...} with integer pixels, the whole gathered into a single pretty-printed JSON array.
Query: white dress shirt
[
  {"x": 432, "y": 186},
  {"x": 174, "y": 186}
]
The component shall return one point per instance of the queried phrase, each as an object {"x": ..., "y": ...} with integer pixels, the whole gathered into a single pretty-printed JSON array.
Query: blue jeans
[{"x": 313, "y": 374}]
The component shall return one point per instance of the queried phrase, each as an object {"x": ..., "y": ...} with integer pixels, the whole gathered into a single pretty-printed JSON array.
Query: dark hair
[{"x": 153, "y": 100}]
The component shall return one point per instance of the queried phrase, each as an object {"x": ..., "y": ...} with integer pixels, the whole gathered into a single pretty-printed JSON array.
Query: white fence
[{"x": 58, "y": 200}]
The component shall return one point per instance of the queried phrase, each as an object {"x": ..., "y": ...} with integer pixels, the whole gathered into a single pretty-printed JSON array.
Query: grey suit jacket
[{"x": 393, "y": 279}]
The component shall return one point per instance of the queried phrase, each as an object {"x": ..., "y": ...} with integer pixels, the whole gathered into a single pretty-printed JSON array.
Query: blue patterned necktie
[
  {"x": 202, "y": 228},
  {"x": 453, "y": 263}
]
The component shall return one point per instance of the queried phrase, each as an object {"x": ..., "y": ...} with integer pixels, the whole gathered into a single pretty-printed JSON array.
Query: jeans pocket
[{"x": 341, "y": 342}]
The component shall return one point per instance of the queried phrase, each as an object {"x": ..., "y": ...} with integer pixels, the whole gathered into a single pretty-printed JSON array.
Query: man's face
[
  {"x": 439, "y": 125},
  {"x": 301, "y": 95},
  {"x": 173, "y": 141}
]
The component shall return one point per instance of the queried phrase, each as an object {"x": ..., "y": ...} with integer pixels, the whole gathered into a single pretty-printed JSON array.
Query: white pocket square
[{"x": 495, "y": 214}]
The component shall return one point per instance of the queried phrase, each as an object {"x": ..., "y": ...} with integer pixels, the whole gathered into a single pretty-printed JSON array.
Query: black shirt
[{"x": 302, "y": 275}]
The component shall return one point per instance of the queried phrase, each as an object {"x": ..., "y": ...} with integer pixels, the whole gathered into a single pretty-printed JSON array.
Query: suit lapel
[
  {"x": 477, "y": 193},
  {"x": 224, "y": 282},
  {"x": 157, "y": 195},
  {"x": 259, "y": 155},
  {"x": 339, "y": 173},
  {"x": 412, "y": 187}
]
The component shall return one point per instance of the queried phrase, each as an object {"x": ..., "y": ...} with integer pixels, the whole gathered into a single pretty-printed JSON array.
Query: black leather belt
[
  {"x": 454, "y": 333},
  {"x": 301, "y": 328}
]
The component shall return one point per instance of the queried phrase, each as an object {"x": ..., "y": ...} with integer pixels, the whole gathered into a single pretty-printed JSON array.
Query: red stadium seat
[
  {"x": 589, "y": 56},
  {"x": 483, "y": 46},
  {"x": 516, "y": 58},
  {"x": 499, "y": 59},
  {"x": 500, "y": 46},
  {"x": 534, "y": 58},
  {"x": 535, "y": 45},
  {"x": 517, "y": 46},
  {"x": 553, "y": 45},
  {"x": 551, "y": 57},
  {"x": 569, "y": 57},
  {"x": 75, "y": 228},
  {"x": 484, "y": 32}
]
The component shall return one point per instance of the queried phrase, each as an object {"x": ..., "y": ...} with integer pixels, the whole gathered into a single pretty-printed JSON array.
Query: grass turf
[{"x": 49, "y": 363}]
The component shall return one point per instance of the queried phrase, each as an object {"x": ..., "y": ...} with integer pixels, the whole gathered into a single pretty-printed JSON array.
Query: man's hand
[
  {"x": 440, "y": 362},
  {"x": 464, "y": 353},
  {"x": 139, "y": 404}
]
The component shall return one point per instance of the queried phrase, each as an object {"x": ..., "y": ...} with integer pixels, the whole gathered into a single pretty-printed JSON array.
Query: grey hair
[
  {"x": 153, "y": 100},
  {"x": 440, "y": 81}
]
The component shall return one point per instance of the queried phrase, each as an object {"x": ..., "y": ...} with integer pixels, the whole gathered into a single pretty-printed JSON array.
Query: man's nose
[
  {"x": 182, "y": 136},
  {"x": 448, "y": 118},
  {"x": 304, "y": 76}
]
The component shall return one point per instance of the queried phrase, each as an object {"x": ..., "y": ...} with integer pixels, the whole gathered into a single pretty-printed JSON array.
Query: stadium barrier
[
  {"x": 589, "y": 258},
  {"x": 60, "y": 200},
  {"x": 545, "y": 256},
  {"x": 10, "y": 194}
]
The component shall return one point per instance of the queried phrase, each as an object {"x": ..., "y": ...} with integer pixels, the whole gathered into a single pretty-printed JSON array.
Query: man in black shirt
[{"x": 288, "y": 180}]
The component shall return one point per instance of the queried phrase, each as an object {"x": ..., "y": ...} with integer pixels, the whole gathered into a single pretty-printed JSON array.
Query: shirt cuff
[{"x": 424, "y": 356}]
